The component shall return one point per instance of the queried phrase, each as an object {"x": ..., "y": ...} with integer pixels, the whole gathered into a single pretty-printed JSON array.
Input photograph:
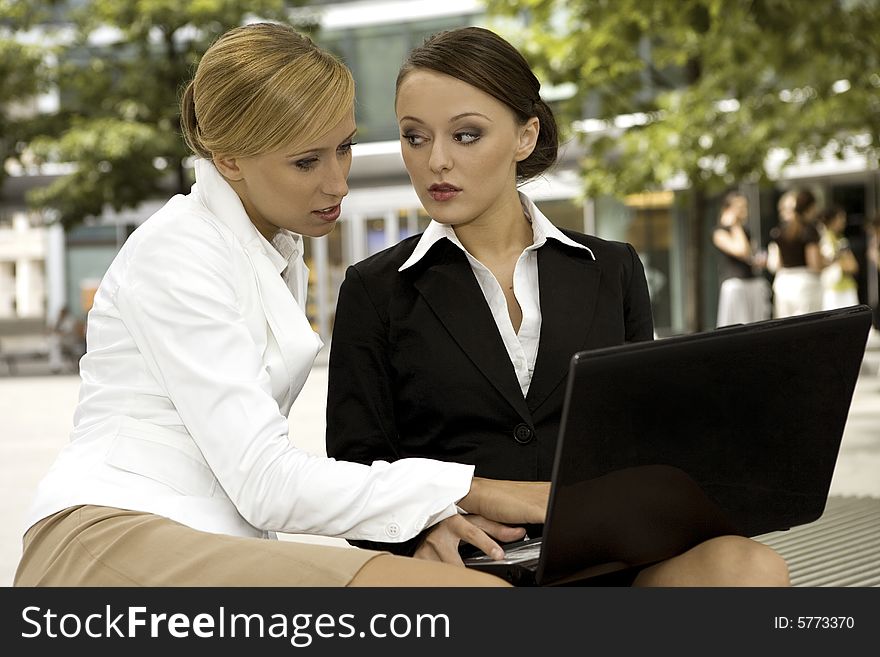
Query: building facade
[{"x": 39, "y": 273}]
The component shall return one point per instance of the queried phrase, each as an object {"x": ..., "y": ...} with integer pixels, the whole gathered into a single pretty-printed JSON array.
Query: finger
[
  {"x": 442, "y": 541},
  {"x": 481, "y": 540},
  {"x": 497, "y": 530},
  {"x": 442, "y": 547}
]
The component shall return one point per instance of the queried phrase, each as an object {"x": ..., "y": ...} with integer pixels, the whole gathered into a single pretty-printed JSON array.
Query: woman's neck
[{"x": 502, "y": 231}]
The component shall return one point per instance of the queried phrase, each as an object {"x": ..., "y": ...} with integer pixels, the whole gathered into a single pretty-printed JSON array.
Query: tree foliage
[
  {"x": 22, "y": 77},
  {"x": 119, "y": 76},
  {"x": 707, "y": 89}
]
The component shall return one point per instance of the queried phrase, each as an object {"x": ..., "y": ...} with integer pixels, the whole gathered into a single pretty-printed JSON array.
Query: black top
[
  {"x": 732, "y": 267},
  {"x": 793, "y": 244}
]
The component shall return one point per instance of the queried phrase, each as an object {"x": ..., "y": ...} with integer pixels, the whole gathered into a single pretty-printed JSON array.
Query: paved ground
[{"x": 36, "y": 412}]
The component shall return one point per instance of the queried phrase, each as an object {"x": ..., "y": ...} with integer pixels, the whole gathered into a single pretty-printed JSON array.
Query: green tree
[
  {"x": 707, "y": 90},
  {"x": 23, "y": 75},
  {"x": 20, "y": 77},
  {"x": 120, "y": 99}
]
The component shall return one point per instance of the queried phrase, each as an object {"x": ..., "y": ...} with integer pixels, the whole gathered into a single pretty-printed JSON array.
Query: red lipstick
[{"x": 443, "y": 191}]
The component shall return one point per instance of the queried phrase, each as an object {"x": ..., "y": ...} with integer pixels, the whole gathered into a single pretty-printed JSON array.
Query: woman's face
[
  {"x": 786, "y": 207},
  {"x": 460, "y": 146},
  {"x": 298, "y": 187}
]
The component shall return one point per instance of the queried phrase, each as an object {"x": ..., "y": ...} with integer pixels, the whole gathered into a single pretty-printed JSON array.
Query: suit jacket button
[{"x": 523, "y": 434}]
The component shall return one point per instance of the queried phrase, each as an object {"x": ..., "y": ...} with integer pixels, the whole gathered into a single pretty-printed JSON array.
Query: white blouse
[
  {"x": 522, "y": 345},
  {"x": 197, "y": 347}
]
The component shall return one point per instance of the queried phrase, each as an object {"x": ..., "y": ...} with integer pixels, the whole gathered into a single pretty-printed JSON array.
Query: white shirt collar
[
  {"x": 218, "y": 196},
  {"x": 284, "y": 248},
  {"x": 542, "y": 230}
]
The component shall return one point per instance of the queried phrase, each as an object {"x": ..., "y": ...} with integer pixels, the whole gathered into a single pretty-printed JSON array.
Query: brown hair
[
  {"x": 259, "y": 87},
  {"x": 484, "y": 60},
  {"x": 828, "y": 214},
  {"x": 730, "y": 197},
  {"x": 804, "y": 202}
]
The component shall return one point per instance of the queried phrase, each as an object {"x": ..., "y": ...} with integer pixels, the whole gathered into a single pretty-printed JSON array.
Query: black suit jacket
[{"x": 418, "y": 368}]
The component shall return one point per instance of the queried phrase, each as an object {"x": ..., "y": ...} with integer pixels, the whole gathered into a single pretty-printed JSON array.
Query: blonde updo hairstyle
[{"x": 260, "y": 87}]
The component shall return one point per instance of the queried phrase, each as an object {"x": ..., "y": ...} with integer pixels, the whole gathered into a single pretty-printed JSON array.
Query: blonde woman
[{"x": 179, "y": 466}]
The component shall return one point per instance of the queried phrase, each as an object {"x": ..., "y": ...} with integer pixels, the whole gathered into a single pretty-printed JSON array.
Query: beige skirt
[{"x": 102, "y": 546}]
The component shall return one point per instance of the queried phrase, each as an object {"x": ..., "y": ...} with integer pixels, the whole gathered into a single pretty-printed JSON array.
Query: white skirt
[
  {"x": 743, "y": 300},
  {"x": 796, "y": 291}
]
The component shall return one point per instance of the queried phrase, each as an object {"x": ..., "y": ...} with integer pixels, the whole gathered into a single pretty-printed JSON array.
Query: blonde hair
[{"x": 259, "y": 87}]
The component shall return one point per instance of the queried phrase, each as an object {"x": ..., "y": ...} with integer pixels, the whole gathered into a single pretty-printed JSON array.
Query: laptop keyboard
[{"x": 521, "y": 552}]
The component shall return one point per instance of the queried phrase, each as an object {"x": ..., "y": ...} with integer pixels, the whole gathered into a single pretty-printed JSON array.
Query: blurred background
[{"x": 664, "y": 107}]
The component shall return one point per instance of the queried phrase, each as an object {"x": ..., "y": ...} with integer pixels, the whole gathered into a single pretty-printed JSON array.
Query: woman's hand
[
  {"x": 511, "y": 502},
  {"x": 848, "y": 262},
  {"x": 728, "y": 218},
  {"x": 443, "y": 539}
]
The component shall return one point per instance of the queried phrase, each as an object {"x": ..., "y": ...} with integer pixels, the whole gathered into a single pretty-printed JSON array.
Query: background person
[
  {"x": 839, "y": 286},
  {"x": 455, "y": 344},
  {"x": 66, "y": 344},
  {"x": 794, "y": 258},
  {"x": 180, "y": 466},
  {"x": 744, "y": 295}
]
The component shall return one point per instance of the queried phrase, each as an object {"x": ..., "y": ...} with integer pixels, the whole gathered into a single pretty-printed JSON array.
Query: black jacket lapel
[
  {"x": 569, "y": 283},
  {"x": 449, "y": 287}
]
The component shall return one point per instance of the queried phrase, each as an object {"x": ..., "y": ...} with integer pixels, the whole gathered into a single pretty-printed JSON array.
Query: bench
[
  {"x": 23, "y": 338},
  {"x": 842, "y": 548}
]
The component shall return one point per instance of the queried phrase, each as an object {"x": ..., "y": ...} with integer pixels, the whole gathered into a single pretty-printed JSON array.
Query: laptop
[{"x": 668, "y": 443}]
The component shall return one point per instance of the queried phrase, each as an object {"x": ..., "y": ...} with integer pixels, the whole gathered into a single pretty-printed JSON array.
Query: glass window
[
  {"x": 375, "y": 235},
  {"x": 375, "y": 54},
  {"x": 413, "y": 221},
  {"x": 565, "y": 213},
  {"x": 646, "y": 222}
]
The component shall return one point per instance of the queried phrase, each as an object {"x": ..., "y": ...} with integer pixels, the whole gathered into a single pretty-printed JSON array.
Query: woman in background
[
  {"x": 745, "y": 294},
  {"x": 794, "y": 258},
  {"x": 839, "y": 285}
]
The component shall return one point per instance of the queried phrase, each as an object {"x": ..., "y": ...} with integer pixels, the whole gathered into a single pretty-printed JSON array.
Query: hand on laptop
[
  {"x": 443, "y": 539},
  {"x": 512, "y": 502}
]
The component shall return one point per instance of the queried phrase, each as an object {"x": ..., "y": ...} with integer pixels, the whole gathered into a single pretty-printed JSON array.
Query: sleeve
[
  {"x": 637, "y": 301},
  {"x": 361, "y": 423},
  {"x": 179, "y": 300}
]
